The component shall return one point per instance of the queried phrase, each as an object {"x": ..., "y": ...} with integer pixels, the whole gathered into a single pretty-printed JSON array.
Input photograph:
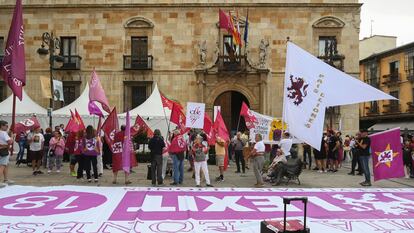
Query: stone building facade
[{"x": 178, "y": 45}]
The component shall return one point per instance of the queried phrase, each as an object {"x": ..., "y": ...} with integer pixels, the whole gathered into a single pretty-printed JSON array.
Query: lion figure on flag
[{"x": 297, "y": 90}]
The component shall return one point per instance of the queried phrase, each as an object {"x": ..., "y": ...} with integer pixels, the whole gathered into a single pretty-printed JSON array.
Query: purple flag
[
  {"x": 126, "y": 147},
  {"x": 13, "y": 67},
  {"x": 387, "y": 156},
  {"x": 94, "y": 109},
  {"x": 97, "y": 93}
]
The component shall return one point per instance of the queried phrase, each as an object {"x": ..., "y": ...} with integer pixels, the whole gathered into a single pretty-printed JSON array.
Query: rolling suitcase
[{"x": 291, "y": 226}]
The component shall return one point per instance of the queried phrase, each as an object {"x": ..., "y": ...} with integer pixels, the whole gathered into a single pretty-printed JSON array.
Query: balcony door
[
  {"x": 139, "y": 52},
  {"x": 68, "y": 51}
]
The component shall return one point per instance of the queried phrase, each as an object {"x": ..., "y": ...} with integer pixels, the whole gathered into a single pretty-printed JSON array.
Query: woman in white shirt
[{"x": 258, "y": 160}]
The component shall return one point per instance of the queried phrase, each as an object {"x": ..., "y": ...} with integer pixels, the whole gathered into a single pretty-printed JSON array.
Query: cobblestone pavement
[{"x": 22, "y": 175}]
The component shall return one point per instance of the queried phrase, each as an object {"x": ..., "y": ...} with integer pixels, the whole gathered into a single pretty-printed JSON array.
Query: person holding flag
[
  {"x": 91, "y": 145},
  {"x": 156, "y": 145},
  {"x": 177, "y": 148}
]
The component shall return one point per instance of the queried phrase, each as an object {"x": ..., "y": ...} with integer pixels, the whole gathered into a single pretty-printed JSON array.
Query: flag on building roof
[
  {"x": 235, "y": 32},
  {"x": 387, "y": 155},
  {"x": 13, "y": 65}
]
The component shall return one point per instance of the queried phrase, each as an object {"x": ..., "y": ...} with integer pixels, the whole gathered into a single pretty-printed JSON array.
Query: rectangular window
[
  {"x": 396, "y": 95},
  {"x": 1, "y": 47},
  {"x": 374, "y": 107},
  {"x": 138, "y": 95},
  {"x": 70, "y": 91},
  {"x": 394, "y": 67},
  {"x": 326, "y": 45},
  {"x": 68, "y": 46},
  {"x": 230, "y": 51},
  {"x": 139, "y": 52}
]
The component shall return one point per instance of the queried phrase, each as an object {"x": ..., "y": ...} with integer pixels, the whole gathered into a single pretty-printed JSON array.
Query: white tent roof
[
  {"x": 81, "y": 105},
  {"x": 152, "y": 107},
  {"x": 25, "y": 107}
]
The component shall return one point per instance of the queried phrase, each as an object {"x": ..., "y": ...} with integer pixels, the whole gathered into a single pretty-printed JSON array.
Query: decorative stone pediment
[
  {"x": 329, "y": 22},
  {"x": 139, "y": 22}
]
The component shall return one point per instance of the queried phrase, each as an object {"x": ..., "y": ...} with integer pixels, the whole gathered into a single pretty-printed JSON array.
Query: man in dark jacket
[{"x": 156, "y": 145}]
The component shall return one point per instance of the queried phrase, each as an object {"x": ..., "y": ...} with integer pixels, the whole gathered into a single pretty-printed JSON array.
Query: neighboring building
[
  {"x": 376, "y": 44},
  {"x": 178, "y": 45},
  {"x": 391, "y": 71}
]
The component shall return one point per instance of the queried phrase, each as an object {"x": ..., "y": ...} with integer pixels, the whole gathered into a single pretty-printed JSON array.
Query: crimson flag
[
  {"x": 13, "y": 66},
  {"x": 220, "y": 130},
  {"x": 224, "y": 21},
  {"x": 71, "y": 125},
  {"x": 178, "y": 117},
  {"x": 25, "y": 125},
  {"x": 141, "y": 125},
  {"x": 248, "y": 116},
  {"x": 79, "y": 121},
  {"x": 166, "y": 103},
  {"x": 110, "y": 127}
]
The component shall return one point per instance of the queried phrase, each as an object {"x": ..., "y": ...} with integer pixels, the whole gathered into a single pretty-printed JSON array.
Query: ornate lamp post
[{"x": 53, "y": 44}]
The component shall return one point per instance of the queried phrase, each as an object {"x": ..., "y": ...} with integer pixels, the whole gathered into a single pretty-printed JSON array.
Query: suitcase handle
[{"x": 286, "y": 201}]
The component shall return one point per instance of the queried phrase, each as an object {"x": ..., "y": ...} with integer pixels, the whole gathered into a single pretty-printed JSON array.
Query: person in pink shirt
[{"x": 55, "y": 153}]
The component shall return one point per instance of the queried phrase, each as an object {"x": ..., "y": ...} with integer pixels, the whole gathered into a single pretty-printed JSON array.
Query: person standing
[
  {"x": 22, "y": 139},
  {"x": 407, "y": 160},
  {"x": 156, "y": 145},
  {"x": 286, "y": 144},
  {"x": 220, "y": 149},
  {"x": 48, "y": 135},
  {"x": 320, "y": 156},
  {"x": 364, "y": 143},
  {"x": 36, "y": 142},
  {"x": 333, "y": 151},
  {"x": 355, "y": 150},
  {"x": 307, "y": 155},
  {"x": 200, "y": 151},
  {"x": 246, "y": 148},
  {"x": 5, "y": 143},
  {"x": 55, "y": 153},
  {"x": 117, "y": 148},
  {"x": 91, "y": 145},
  {"x": 165, "y": 157},
  {"x": 238, "y": 145},
  {"x": 258, "y": 159},
  {"x": 177, "y": 148},
  {"x": 347, "y": 148}
]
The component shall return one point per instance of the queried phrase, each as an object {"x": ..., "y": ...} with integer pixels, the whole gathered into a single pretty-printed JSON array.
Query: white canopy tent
[
  {"x": 62, "y": 115},
  {"x": 24, "y": 109},
  {"x": 152, "y": 111}
]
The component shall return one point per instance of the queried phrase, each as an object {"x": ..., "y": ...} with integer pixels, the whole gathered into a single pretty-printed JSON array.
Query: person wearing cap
[
  {"x": 36, "y": 145},
  {"x": 364, "y": 143},
  {"x": 258, "y": 159},
  {"x": 286, "y": 144},
  {"x": 156, "y": 145},
  {"x": 5, "y": 143},
  {"x": 200, "y": 151}
]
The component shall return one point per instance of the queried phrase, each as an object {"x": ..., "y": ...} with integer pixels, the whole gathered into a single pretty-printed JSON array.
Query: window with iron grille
[
  {"x": 371, "y": 73},
  {"x": 229, "y": 48},
  {"x": 394, "y": 67},
  {"x": 70, "y": 93},
  {"x": 396, "y": 95},
  {"x": 326, "y": 43}
]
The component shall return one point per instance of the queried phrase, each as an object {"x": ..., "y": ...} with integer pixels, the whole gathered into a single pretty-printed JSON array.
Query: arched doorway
[{"x": 231, "y": 102}]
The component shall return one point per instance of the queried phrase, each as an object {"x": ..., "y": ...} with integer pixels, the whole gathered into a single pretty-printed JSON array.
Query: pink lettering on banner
[
  {"x": 181, "y": 205},
  {"x": 49, "y": 203}
]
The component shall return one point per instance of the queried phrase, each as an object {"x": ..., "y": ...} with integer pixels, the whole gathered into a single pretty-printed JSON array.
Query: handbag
[
  {"x": 51, "y": 152},
  {"x": 4, "y": 152}
]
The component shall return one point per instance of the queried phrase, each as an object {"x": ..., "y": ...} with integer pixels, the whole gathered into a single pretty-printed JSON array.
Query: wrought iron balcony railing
[
  {"x": 392, "y": 79},
  {"x": 231, "y": 63},
  {"x": 392, "y": 108},
  {"x": 138, "y": 63},
  {"x": 72, "y": 62},
  {"x": 410, "y": 75}
]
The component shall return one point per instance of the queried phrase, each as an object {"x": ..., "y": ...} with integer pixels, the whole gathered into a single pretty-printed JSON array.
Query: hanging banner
[
  {"x": 165, "y": 209},
  {"x": 45, "y": 87},
  {"x": 269, "y": 127},
  {"x": 195, "y": 115},
  {"x": 58, "y": 90}
]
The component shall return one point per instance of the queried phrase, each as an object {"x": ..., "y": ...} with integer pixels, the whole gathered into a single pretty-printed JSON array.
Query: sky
[{"x": 390, "y": 17}]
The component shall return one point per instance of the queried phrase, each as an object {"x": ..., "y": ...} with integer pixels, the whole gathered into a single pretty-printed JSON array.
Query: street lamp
[{"x": 53, "y": 44}]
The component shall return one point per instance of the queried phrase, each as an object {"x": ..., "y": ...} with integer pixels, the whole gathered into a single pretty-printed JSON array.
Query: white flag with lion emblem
[{"x": 311, "y": 85}]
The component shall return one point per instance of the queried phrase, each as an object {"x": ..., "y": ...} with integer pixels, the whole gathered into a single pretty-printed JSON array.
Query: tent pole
[{"x": 13, "y": 120}]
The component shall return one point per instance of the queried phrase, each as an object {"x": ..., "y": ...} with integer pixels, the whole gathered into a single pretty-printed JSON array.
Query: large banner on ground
[
  {"x": 269, "y": 127},
  {"x": 116, "y": 209}
]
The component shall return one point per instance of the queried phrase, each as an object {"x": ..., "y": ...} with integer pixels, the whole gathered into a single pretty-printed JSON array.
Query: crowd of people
[{"x": 89, "y": 153}]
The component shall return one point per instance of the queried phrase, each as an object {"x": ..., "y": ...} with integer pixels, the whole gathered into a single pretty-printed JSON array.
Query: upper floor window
[
  {"x": 68, "y": 46},
  {"x": 409, "y": 61},
  {"x": 371, "y": 73},
  {"x": 70, "y": 91},
  {"x": 230, "y": 50},
  {"x": 327, "y": 46},
  {"x": 394, "y": 67},
  {"x": 139, "y": 58},
  {"x": 396, "y": 95}
]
